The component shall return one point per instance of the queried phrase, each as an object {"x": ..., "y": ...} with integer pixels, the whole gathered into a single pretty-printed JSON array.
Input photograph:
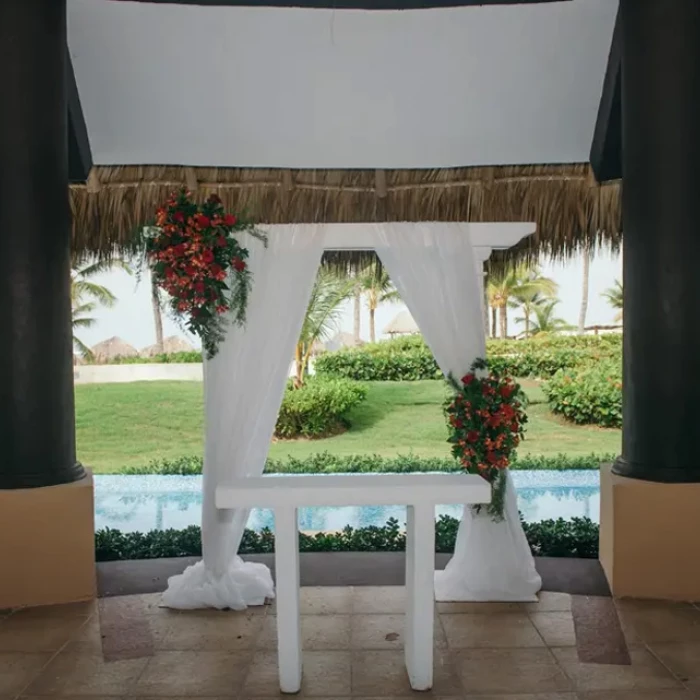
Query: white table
[{"x": 420, "y": 493}]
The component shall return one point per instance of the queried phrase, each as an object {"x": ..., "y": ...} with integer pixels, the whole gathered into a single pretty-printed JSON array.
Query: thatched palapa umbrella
[
  {"x": 401, "y": 324},
  {"x": 111, "y": 349},
  {"x": 171, "y": 345}
]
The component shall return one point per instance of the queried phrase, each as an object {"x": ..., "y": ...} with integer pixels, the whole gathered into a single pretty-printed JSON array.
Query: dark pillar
[
  {"x": 661, "y": 222},
  {"x": 37, "y": 423}
]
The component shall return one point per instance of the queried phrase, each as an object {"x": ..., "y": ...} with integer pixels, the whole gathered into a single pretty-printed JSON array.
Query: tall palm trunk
[
  {"x": 503, "y": 321},
  {"x": 157, "y": 317},
  {"x": 372, "y": 335},
  {"x": 584, "y": 294},
  {"x": 526, "y": 318},
  {"x": 485, "y": 306},
  {"x": 299, "y": 365},
  {"x": 494, "y": 322},
  {"x": 357, "y": 306}
]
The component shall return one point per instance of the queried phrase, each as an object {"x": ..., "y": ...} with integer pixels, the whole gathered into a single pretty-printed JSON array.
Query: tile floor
[{"x": 130, "y": 647}]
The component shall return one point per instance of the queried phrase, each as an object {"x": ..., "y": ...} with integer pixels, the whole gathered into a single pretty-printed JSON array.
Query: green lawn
[{"x": 122, "y": 425}]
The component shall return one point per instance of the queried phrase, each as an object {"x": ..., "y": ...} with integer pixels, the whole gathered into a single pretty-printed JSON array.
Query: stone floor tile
[
  {"x": 556, "y": 628},
  {"x": 382, "y": 674},
  {"x": 669, "y": 623},
  {"x": 18, "y": 670},
  {"x": 387, "y": 600},
  {"x": 44, "y": 612},
  {"x": 527, "y": 696},
  {"x": 224, "y": 631},
  {"x": 193, "y": 674},
  {"x": 323, "y": 600},
  {"x": 481, "y": 608},
  {"x": 34, "y": 634},
  {"x": 318, "y": 633},
  {"x": 386, "y": 632},
  {"x": 325, "y": 674},
  {"x": 683, "y": 659},
  {"x": 75, "y": 673},
  {"x": 549, "y": 601},
  {"x": 660, "y": 694},
  {"x": 490, "y": 631},
  {"x": 644, "y": 673},
  {"x": 504, "y": 671}
]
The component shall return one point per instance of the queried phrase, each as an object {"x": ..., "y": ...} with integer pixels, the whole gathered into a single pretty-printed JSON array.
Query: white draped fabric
[
  {"x": 435, "y": 273},
  {"x": 243, "y": 387}
]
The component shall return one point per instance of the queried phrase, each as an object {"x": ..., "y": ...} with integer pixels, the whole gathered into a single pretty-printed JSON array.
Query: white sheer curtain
[
  {"x": 243, "y": 389},
  {"x": 435, "y": 272}
]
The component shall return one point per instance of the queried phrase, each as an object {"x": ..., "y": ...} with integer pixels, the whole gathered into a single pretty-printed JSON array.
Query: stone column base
[
  {"x": 47, "y": 545},
  {"x": 649, "y": 537}
]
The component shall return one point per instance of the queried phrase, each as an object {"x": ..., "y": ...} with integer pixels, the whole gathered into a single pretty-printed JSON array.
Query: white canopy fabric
[{"x": 313, "y": 88}]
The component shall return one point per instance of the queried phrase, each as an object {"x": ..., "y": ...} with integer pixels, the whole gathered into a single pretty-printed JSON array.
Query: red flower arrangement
[
  {"x": 486, "y": 420},
  {"x": 195, "y": 257}
]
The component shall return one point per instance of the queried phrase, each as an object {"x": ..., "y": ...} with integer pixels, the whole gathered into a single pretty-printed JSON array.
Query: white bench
[{"x": 419, "y": 492}]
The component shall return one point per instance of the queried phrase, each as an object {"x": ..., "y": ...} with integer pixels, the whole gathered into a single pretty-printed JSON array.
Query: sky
[{"x": 131, "y": 318}]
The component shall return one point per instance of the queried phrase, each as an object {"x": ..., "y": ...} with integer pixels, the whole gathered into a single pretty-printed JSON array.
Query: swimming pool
[{"x": 143, "y": 503}]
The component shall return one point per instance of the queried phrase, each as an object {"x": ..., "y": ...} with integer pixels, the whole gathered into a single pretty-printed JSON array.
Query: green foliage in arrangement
[
  {"x": 590, "y": 395},
  {"x": 577, "y": 537},
  {"x": 327, "y": 463},
  {"x": 409, "y": 358},
  {"x": 317, "y": 408}
]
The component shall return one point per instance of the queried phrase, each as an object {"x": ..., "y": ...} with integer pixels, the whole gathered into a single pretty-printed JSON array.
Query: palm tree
[
  {"x": 545, "y": 321},
  {"x": 86, "y": 295},
  {"x": 587, "y": 254},
  {"x": 329, "y": 293},
  {"x": 514, "y": 286},
  {"x": 156, "y": 305},
  {"x": 614, "y": 297},
  {"x": 379, "y": 289}
]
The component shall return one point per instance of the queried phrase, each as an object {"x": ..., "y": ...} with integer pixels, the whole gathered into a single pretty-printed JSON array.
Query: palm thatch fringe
[{"x": 567, "y": 204}]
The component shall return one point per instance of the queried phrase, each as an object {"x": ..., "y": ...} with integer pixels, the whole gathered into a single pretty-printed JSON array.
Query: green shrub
[
  {"x": 588, "y": 394},
  {"x": 189, "y": 357},
  {"x": 409, "y": 358},
  {"x": 318, "y": 408},
  {"x": 577, "y": 537},
  {"x": 327, "y": 463}
]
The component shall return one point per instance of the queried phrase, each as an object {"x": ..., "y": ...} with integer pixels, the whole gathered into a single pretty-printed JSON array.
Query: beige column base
[
  {"x": 47, "y": 545},
  {"x": 650, "y": 537}
]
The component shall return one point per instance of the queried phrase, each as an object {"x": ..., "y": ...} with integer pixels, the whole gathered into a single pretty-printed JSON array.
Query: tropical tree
[
  {"x": 613, "y": 295},
  {"x": 86, "y": 295},
  {"x": 329, "y": 293},
  {"x": 587, "y": 255},
  {"x": 378, "y": 288},
  {"x": 545, "y": 320},
  {"x": 157, "y": 308},
  {"x": 515, "y": 286}
]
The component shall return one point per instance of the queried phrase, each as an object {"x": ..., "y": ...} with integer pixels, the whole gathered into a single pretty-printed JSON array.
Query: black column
[
  {"x": 37, "y": 423},
  {"x": 661, "y": 221}
]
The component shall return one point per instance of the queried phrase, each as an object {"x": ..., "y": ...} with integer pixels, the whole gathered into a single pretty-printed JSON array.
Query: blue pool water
[{"x": 143, "y": 503}]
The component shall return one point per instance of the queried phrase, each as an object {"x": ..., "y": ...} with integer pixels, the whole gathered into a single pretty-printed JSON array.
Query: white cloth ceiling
[{"x": 299, "y": 88}]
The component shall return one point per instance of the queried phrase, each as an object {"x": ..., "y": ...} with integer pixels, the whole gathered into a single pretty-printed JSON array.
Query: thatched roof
[
  {"x": 342, "y": 340},
  {"x": 111, "y": 348},
  {"x": 171, "y": 345},
  {"x": 401, "y": 324},
  {"x": 567, "y": 204}
]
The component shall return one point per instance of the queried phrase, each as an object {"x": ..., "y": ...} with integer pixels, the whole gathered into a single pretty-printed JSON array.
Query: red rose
[
  {"x": 216, "y": 269},
  {"x": 179, "y": 217},
  {"x": 230, "y": 220},
  {"x": 472, "y": 436},
  {"x": 491, "y": 457},
  {"x": 221, "y": 241},
  {"x": 506, "y": 391},
  {"x": 179, "y": 250},
  {"x": 169, "y": 272},
  {"x": 203, "y": 221},
  {"x": 207, "y": 255},
  {"x": 467, "y": 379},
  {"x": 190, "y": 270},
  {"x": 199, "y": 287},
  {"x": 238, "y": 264}
]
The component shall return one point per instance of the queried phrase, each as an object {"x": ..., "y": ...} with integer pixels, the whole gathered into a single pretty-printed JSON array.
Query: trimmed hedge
[
  {"x": 588, "y": 395},
  {"x": 409, "y": 358},
  {"x": 188, "y": 357},
  {"x": 327, "y": 463},
  {"x": 317, "y": 409},
  {"x": 577, "y": 537}
]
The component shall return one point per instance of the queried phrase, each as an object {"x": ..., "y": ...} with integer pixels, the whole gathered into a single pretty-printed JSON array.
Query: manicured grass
[{"x": 122, "y": 425}]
